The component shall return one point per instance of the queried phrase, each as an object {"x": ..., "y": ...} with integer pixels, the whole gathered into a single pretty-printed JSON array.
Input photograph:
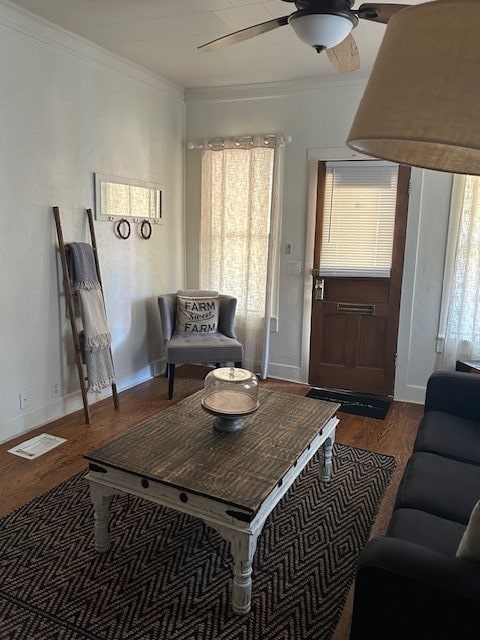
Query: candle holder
[{"x": 230, "y": 394}]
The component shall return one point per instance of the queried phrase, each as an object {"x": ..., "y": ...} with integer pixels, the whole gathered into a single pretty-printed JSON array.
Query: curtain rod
[{"x": 241, "y": 140}]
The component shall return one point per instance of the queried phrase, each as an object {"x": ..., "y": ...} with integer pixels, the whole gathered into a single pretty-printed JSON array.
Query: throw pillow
[
  {"x": 197, "y": 314},
  {"x": 469, "y": 547}
]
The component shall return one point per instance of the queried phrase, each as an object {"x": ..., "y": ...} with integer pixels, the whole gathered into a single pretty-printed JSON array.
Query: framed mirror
[{"x": 124, "y": 198}]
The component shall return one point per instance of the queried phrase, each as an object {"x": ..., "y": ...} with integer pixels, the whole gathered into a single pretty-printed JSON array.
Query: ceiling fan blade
[
  {"x": 379, "y": 12},
  {"x": 344, "y": 56},
  {"x": 244, "y": 34}
]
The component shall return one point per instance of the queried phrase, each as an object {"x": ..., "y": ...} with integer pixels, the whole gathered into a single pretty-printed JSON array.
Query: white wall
[
  {"x": 69, "y": 109},
  {"x": 319, "y": 116}
]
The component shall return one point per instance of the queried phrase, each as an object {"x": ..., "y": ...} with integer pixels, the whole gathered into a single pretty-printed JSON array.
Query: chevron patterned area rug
[{"x": 167, "y": 576}]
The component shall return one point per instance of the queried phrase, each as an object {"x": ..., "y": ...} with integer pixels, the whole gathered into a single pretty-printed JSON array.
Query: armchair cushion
[
  {"x": 203, "y": 347},
  {"x": 197, "y": 314}
]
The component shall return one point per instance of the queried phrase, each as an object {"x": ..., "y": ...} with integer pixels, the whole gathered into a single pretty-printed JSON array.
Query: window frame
[{"x": 101, "y": 214}]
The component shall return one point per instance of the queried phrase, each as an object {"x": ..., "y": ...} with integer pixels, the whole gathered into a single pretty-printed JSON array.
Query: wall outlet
[
  {"x": 55, "y": 389},
  {"x": 23, "y": 400}
]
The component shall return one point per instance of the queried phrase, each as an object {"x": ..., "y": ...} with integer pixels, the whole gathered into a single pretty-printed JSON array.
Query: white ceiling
[{"x": 163, "y": 35}]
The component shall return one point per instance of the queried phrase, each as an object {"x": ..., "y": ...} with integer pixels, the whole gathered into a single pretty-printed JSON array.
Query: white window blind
[{"x": 359, "y": 219}]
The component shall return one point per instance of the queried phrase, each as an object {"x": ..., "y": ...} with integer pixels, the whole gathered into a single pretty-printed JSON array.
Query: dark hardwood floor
[{"x": 22, "y": 480}]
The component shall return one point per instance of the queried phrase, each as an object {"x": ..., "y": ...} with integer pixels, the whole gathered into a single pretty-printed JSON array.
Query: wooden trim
[
  {"x": 396, "y": 274},
  {"x": 321, "y": 177}
]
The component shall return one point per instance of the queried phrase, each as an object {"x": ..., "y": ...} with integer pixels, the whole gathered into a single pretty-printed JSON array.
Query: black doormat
[
  {"x": 360, "y": 405},
  {"x": 162, "y": 580}
]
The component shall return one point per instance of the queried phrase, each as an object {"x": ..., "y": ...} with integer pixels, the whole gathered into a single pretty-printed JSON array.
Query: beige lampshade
[{"x": 421, "y": 106}]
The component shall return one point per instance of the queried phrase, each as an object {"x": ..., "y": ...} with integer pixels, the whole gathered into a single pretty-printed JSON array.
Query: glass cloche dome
[{"x": 230, "y": 394}]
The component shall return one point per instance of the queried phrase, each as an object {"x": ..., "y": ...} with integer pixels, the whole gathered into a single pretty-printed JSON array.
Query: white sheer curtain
[
  {"x": 240, "y": 219},
  {"x": 460, "y": 333}
]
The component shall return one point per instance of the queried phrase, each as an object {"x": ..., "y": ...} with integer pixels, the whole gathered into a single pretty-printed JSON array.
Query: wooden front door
[{"x": 354, "y": 322}]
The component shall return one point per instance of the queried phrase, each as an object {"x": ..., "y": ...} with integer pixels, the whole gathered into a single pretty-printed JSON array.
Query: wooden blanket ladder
[{"x": 69, "y": 297}]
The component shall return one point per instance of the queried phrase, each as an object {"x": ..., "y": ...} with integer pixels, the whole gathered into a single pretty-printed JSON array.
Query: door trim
[{"x": 398, "y": 260}]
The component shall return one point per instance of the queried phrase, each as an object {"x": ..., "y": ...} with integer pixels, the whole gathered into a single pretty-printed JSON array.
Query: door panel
[
  {"x": 332, "y": 351},
  {"x": 348, "y": 334},
  {"x": 354, "y": 322},
  {"x": 371, "y": 334}
]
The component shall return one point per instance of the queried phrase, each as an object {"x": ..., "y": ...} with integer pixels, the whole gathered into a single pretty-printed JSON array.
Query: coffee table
[{"x": 232, "y": 481}]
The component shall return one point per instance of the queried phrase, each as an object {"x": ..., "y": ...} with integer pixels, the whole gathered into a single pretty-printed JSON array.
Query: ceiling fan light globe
[{"x": 322, "y": 30}]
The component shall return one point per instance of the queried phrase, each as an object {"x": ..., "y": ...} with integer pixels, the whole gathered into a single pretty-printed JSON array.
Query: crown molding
[
  {"x": 272, "y": 89},
  {"x": 32, "y": 26}
]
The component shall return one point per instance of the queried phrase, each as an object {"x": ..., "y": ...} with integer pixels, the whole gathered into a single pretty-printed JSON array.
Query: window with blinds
[{"x": 358, "y": 219}]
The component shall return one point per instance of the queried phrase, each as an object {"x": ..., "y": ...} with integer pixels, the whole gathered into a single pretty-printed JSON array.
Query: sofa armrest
[
  {"x": 403, "y": 590},
  {"x": 455, "y": 393}
]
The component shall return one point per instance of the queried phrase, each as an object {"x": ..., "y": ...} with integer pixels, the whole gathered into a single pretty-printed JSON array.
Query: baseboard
[
  {"x": 284, "y": 372},
  {"x": 158, "y": 367},
  {"x": 411, "y": 393},
  {"x": 26, "y": 421}
]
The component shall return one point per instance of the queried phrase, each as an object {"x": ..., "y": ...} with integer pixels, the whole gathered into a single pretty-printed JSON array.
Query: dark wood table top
[{"x": 180, "y": 448}]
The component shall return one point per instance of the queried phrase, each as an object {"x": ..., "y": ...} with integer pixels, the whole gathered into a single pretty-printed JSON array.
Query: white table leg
[
  {"x": 102, "y": 500},
  {"x": 327, "y": 459},
  {"x": 242, "y": 547},
  {"x": 328, "y": 456}
]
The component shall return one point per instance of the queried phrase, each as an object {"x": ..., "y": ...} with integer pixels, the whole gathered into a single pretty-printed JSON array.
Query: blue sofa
[{"x": 410, "y": 584}]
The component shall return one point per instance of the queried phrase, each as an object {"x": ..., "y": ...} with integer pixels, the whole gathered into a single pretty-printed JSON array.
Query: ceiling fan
[{"x": 322, "y": 24}]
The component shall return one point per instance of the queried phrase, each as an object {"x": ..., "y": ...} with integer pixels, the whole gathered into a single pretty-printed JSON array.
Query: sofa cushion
[
  {"x": 443, "y": 486},
  {"x": 469, "y": 547},
  {"x": 427, "y": 530},
  {"x": 449, "y": 436}
]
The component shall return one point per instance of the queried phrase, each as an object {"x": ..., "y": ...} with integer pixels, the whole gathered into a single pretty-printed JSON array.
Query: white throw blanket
[
  {"x": 94, "y": 319},
  {"x": 97, "y": 340},
  {"x": 96, "y": 335}
]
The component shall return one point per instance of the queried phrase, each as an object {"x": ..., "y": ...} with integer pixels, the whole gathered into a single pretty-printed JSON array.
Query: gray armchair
[{"x": 217, "y": 348}]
